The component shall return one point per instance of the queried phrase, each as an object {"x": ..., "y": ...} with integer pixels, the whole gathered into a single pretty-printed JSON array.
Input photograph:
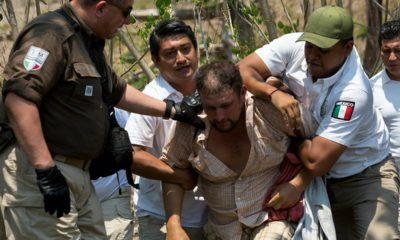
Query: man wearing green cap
[{"x": 351, "y": 146}]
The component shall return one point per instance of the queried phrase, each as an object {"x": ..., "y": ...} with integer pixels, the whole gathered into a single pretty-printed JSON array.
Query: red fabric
[{"x": 289, "y": 168}]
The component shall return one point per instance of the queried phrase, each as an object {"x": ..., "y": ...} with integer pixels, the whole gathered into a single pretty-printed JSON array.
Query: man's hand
[
  {"x": 175, "y": 231},
  {"x": 189, "y": 178},
  {"x": 187, "y": 110},
  {"x": 285, "y": 196},
  {"x": 284, "y": 101},
  {"x": 55, "y": 191}
]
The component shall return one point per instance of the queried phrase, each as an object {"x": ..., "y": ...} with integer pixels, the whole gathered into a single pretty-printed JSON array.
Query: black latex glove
[
  {"x": 187, "y": 110},
  {"x": 55, "y": 191}
]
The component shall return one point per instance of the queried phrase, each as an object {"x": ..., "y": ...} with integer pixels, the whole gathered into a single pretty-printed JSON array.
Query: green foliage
[
  {"x": 164, "y": 8},
  {"x": 144, "y": 32},
  {"x": 252, "y": 13},
  {"x": 287, "y": 28}
]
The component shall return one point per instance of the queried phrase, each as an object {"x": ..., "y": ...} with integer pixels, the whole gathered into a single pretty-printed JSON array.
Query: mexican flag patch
[
  {"x": 35, "y": 58},
  {"x": 343, "y": 110}
]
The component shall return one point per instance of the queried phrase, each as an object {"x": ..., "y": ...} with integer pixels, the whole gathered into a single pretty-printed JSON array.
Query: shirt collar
[
  {"x": 166, "y": 90},
  {"x": 385, "y": 77}
]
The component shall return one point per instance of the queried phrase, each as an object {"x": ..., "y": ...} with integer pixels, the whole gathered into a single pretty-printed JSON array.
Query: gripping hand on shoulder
[
  {"x": 187, "y": 110},
  {"x": 54, "y": 188}
]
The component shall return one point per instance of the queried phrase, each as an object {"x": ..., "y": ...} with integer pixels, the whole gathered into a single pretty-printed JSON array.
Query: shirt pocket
[{"x": 87, "y": 88}]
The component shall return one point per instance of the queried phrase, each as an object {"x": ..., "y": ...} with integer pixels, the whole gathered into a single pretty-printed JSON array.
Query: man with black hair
[
  {"x": 173, "y": 51},
  {"x": 386, "y": 84}
]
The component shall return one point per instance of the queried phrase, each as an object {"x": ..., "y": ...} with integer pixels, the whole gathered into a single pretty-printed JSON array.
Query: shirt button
[{"x": 238, "y": 198}]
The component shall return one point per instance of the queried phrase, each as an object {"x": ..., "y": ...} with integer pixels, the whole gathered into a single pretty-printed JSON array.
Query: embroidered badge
[
  {"x": 35, "y": 58},
  {"x": 343, "y": 110}
]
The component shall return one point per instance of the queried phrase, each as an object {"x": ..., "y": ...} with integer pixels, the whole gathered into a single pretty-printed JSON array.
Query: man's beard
[{"x": 230, "y": 127}]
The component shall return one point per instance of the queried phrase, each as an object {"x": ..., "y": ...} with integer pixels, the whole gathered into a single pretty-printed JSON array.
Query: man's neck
[
  {"x": 392, "y": 76},
  {"x": 83, "y": 13},
  {"x": 185, "y": 87}
]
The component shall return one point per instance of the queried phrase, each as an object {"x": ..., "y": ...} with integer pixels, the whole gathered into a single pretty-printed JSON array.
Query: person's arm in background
[
  {"x": 254, "y": 72},
  {"x": 176, "y": 153},
  {"x": 173, "y": 199}
]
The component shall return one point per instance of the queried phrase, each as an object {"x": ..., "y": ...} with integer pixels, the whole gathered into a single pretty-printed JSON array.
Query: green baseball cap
[{"x": 326, "y": 26}]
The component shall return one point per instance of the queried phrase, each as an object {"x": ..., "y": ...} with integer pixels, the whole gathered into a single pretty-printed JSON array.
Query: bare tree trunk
[
  {"x": 371, "y": 57},
  {"x": 12, "y": 19},
  {"x": 268, "y": 18},
  {"x": 323, "y": 2},
  {"x": 37, "y": 4},
  {"x": 350, "y": 8},
  {"x": 339, "y": 3},
  {"x": 245, "y": 34},
  {"x": 27, "y": 10},
  {"x": 1, "y": 7},
  {"x": 306, "y": 7}
]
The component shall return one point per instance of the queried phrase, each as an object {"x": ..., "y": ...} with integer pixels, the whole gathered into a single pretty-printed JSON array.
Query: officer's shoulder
[{"x": 52, "y": 23}]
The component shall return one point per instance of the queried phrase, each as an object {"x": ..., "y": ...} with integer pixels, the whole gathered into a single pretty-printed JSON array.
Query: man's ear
[
  {"x": 99, "y": 8},
  {"x": 243, "y": 91},
  {"x": 155, "y": 61},
  {"x": 349, "y": 47}
]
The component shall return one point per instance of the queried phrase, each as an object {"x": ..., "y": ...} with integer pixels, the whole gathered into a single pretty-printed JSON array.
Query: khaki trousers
[
  {"x": 23, "y": 209},
  {"x": 365, "y": 206},
  {"x": 118, "y": 217}
]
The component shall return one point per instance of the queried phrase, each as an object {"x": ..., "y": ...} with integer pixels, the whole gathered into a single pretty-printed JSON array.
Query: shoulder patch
[
  {"x": 343, "y": 110},
  {"x": 35, "y": 58}
]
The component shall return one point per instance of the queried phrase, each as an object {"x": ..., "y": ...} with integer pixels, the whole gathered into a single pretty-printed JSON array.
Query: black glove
[
  {"x": 187, "y": 110},
  {"x": 55, "y": 191},
  {"x": 194, "y": 102}
]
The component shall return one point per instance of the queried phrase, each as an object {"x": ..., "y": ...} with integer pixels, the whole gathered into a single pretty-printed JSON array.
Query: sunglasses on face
[{"x": 124, "y": 11}]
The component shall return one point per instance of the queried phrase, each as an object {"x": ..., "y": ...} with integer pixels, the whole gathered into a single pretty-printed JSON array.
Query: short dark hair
[
  {"x": 167, "y": 28},
  {"x": 389, "y": 30},
  {"x": 216, "y": 76}
]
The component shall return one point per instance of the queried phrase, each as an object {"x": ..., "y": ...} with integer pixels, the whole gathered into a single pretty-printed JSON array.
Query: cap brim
[{"x": 318, "y": 40}]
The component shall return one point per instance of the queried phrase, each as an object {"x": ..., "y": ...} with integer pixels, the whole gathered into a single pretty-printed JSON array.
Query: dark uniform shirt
[{"x": 50, "y": 66}]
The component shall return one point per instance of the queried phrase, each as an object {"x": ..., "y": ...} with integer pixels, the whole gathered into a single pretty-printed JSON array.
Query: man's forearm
[
  {"x": 173, "y": 198},
  {"x": 25, "y": 122},
  {"x": 148, "y": 166},
  {"x": 302, "y": 180},
  {"x": 319, "y": 154},
  {"x": 135, "y": 101}
]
